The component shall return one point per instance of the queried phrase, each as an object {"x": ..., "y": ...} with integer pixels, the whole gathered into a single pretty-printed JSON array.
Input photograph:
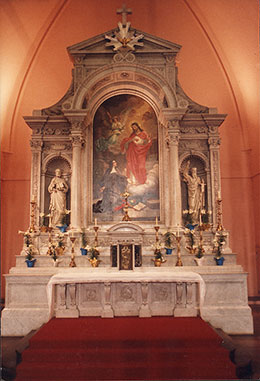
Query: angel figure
[{"x": 115, "y": 125}]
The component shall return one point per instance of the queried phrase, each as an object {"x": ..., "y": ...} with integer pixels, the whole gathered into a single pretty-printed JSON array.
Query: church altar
[{"x": 124, "y": 160}]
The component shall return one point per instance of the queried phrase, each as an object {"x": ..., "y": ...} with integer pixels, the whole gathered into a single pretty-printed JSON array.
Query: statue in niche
[
  {"x": 196, "y": 192},
  {"x": 57, "y": 189}
]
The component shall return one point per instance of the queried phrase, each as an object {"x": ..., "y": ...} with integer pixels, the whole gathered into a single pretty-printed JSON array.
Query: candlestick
[
  {"x": 126, "y": 216},
  {"x": 72, "y": 260},
  {"x": 219, "y": 215},
  {"x": 179, "y": 261},
  {"x": 96, "y": 235},
  {"x": 32, "y": 219}
]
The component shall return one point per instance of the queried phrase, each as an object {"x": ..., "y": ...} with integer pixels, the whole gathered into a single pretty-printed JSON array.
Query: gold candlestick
[
  {"x": 219, "y": 214},
  {"x": 72, "y": 260},
  {"x": 156, "y": 228},
  {"x": 96, "y": 236},
  {"x": 32, "y": 216},
  {"x": 179, "y": 261},
  {"x": 126, "y": 216}
]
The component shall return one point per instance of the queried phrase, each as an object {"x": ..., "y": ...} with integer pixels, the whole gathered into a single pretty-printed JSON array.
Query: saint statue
[
  {"x": 196, "y": 192},
  {"x": 58, "y": 189},
  {"x": 136, "y": 147}
]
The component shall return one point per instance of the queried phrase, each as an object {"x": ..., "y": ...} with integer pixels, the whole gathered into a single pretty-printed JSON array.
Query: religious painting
[{"x": 125, "y": 158}]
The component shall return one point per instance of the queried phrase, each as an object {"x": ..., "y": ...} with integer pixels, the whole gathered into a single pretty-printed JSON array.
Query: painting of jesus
[{"x": 125, "y": 133}]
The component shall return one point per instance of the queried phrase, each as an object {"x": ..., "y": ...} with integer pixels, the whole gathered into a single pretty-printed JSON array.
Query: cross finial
[{"x": 124, "y": 11}]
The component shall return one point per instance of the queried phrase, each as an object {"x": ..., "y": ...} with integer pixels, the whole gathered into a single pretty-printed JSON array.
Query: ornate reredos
[{"x": 126, "y": 61}]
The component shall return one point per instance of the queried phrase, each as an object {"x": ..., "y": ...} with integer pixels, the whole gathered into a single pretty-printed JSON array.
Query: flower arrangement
[
  {"x": 190, "y": 232},
  {"x": 29, "y": 252},
  {"x": 219, "y": 242},
  {"x": 205, "y": 217},
  {"x": 44, "y": 222},
  {"x": 168, "y": 239}
]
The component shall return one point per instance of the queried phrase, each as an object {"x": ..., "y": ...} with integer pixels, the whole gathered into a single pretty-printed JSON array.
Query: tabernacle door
[{"x": 125, "y": 257}]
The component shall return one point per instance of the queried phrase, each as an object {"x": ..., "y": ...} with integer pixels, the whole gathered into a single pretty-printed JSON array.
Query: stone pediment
[{"x": 146, "y": 43}]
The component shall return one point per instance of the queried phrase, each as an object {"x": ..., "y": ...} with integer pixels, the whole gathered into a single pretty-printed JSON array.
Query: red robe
[{"x": 136, "y": 155}]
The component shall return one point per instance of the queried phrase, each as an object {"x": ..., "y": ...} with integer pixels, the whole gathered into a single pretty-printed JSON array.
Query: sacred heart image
[{"x": 125, "y": 158}]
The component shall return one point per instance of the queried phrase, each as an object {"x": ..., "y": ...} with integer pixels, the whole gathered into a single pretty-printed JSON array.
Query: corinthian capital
[
  {"x": 36, "y": 145},
  {"x": 77, "y": 140},
  {"x": 214, "y": 142},
  {"x": 172, "y": 138}
]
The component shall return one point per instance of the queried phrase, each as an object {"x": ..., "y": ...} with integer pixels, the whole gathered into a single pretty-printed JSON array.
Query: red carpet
[{"x": 127, "y": 348}]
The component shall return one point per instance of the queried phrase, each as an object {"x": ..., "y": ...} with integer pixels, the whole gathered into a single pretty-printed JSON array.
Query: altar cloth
[{"x": 91, "y": 275}]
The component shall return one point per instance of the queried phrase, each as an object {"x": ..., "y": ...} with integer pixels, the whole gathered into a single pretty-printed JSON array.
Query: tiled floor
[{"x": 245, "y": 350}]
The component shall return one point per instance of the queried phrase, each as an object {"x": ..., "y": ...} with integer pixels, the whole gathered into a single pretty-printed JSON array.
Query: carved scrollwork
[
  {"x": 194, "y": 130},
  {"x": 56, "y": 131}
]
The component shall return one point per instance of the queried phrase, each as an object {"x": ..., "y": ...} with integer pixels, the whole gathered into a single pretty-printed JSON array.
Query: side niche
[{"x": 51, "y": 166}]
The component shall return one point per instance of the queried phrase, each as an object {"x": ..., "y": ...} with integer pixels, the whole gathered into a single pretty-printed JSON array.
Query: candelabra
[
  {"x": 126, "y": 216},
  {"x": 219, "y": 214},
  {"x": 72, "y": 260}
]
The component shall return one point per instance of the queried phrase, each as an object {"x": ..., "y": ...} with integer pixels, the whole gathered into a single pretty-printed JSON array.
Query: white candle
[
  {"x": 178, "y": 230},
  {"x": 219, "y": 195},
  {"x": 95, "y": 222},
  {"x": 156, "y": 221},
  {"x": 33, "y": 198}
]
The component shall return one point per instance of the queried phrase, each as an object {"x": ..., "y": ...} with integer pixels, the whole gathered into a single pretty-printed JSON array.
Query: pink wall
[{"x": 218, "y": 67}]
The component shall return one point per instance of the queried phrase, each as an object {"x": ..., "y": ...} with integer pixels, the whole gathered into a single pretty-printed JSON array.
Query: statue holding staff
[{"x": 196, "y": 192}]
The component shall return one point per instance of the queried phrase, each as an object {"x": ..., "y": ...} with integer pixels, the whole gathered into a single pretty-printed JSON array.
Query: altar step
[{"x": 125, "y": 349}]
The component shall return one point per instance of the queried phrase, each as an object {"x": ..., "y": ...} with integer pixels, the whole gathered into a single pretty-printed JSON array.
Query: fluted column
[
  {"x": 214, "y": 143},
  {"x": 174, "y": 177},
  {"x": 36, "y": 149},
  {"x": 76, "y": 120}
]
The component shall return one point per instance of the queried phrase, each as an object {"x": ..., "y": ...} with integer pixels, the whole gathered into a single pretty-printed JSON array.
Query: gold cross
[{"x": 124, "y": 11}]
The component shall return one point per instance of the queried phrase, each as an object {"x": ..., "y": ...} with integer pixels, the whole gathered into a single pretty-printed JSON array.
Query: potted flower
[
  {"x": 158, "y": 257},
  {"x": 93, "y": 254},
  {"x": 30, "y": 260},
  {"x": 84, "y": 243},
  {"x": 168, "y": 242},
  {"x": 219, "y": 242}
]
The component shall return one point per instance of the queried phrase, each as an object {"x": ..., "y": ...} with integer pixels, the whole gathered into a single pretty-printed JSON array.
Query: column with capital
[
  {"x": 77, "y": 142},
  {"x": 214, "y": 143},
  {"x": 174, "y": 177},
  {"x": 36, "y": 149}
]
